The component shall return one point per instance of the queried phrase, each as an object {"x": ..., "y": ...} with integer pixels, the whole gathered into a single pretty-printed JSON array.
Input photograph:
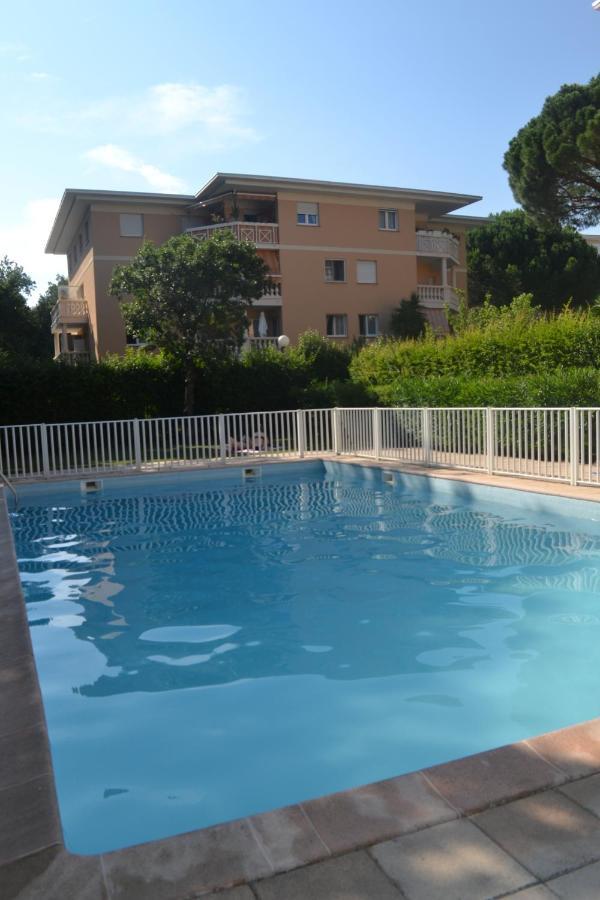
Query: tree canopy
[
  {"x": 408, "y": 319},
  {"x": 553, "y": 162},
  {"x": 511, "y": 255},
  {"x": 24, "y": 329},
  {"x": 190, "y": 298}
]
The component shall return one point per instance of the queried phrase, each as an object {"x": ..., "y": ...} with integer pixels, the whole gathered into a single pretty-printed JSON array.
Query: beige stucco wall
[{"x": 348, "y": 229}]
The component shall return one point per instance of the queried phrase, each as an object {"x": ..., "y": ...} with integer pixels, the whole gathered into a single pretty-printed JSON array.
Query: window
[
  {"x": 132, "y": 225},
  {"x": 368, "y": 325},
  {"x": 388, "y": 219},
  {"x": 366, "y": 271},
  {"x": 335, "y": 270},
  {"x": 307, "y": 214},
  {"x": 337, "y": 325}
]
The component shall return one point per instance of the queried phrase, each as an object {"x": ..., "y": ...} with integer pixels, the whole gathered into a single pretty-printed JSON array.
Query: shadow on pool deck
[{"x": 521, "y": 820}]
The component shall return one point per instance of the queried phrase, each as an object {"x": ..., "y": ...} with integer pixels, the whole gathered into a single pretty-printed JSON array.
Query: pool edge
[{"x": 32, "y": 852}]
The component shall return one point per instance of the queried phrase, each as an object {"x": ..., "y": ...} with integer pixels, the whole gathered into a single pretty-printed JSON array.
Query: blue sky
[{"x": 159, "y": 95}]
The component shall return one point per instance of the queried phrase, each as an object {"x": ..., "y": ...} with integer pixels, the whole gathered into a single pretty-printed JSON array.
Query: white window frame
[
  {"x": 370, "y": 262},
  {"x": 333, "y": 317},
  {"x": 334, "y": 280},
  {"x": 386, "y": 217},
  {"x": 306, "y": 216},
  {"x": 127, "y": 232},
  {"x": 366, "y": 316}
]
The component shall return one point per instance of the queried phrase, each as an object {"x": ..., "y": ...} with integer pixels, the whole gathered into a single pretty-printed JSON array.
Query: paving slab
[
  {"x": 453, "y": 861},
  {"x": 547, "y": 833},
  {"x": 53, "y": 874},
  {"x": 574, "y": 750},
  {"x": 585, "y": 792},
  {"x": 584, "y": 884},
  {"x": 288, "y": 838},
  {"x": 351, "y": 877},
  {"x": 238, "y": 893},
  {"x": 352, "y": 819},
  {"x": 188, "y": 864},
  {"x": 28, "y": 820},
  {"x": 20, "y": 702},
  {"x": 477, "y": 782},
  {"x": 24, "y": 755}
]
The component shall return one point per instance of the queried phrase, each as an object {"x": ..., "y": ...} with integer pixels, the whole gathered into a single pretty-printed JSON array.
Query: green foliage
[
  {"x": 498, "y": 348},
  {"x": 408, "y": 320},
  {"x": 520, "y": 313},
  {"x": 189, "y": 298},
  {"x": 564, "y": 387},
  {"x": 24, "y": 329},
  {"x": 554, "y": 161},
  {"x": 510, "y": 255},
  {"x": 326, "y": 359}
]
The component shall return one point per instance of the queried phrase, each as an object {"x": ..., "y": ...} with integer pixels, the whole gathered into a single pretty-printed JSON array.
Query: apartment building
[{"x": 341, "y": 256}]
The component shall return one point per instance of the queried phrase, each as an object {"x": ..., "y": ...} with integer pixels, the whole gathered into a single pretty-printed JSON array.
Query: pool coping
[{"x": 35, "y": 862}]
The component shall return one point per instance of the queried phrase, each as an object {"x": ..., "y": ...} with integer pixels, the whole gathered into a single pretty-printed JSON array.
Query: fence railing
[{"x": 557, "y": 444}]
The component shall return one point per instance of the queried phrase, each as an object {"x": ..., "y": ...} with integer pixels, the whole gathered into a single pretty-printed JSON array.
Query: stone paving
[{"x": 519, "y": 821}]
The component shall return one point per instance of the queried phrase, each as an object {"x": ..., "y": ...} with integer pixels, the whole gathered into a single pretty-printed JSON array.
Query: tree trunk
[{"x": 190, "y": 389}]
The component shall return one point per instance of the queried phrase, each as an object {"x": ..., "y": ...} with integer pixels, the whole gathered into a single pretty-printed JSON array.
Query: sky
[{"x": 148, "y": 95}]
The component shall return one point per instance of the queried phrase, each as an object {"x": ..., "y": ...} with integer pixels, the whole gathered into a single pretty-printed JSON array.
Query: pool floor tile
[
  {"x": 372, "y": 813},
  {"x": 53, "y": 874},
  {"x": 477, "y": 782},
  {"x": 28, "y": 819},
  {"x": 351, "y": 877},
  {"x": 288, "y": 838},
  {"x": 547, "y": 833},
  {"x": 538, "y": 892},
  {"x": 583, "y": 884},
  {"x": 238, "y": 893},
  {"x": 193, "y": 863},
  {"x": 452, "y": 861},
  {"x": 575, "y": 750}
]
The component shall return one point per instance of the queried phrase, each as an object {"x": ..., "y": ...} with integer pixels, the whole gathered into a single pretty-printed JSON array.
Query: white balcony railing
[
  {"x": 73, "y": 356},
  {"x": 436, "y": 243},
  {"x": 437, "y": 296},
  {"x": 259, "y": 233},
  {"x": 261, "y": 343},
  {"x": 69, "y": 312}
]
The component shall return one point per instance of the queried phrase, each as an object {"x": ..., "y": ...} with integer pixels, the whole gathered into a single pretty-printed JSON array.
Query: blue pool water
[{"x": 212, "y": 649}]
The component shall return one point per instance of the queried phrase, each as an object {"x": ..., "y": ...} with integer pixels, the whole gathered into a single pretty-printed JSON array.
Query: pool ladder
[{"x": 5, "y": 481}]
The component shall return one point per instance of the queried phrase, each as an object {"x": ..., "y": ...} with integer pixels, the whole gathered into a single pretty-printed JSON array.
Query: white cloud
[
  {"x": 115, "y": 157},
  {"x": 25, "y": 238},
  {"x": 39, "y": 76}
]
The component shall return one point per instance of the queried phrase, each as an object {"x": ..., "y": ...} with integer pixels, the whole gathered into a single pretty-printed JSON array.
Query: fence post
[
  {"x": 426, "y": 435},
  {"x": 490, "y": 439},
  {"x": 300, "y": 432},
  {"x": 337, "y": 431},
  {"x": 573, "y": 445},
  {"x": 376, "y": 432},
  {"x": 45, "y": 456},
  {"x": 137, "y": 446},
  {"x": 222, "y": 444}
]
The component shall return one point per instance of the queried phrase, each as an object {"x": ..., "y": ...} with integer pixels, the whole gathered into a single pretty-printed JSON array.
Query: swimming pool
[{"x": 210, "y": 647}]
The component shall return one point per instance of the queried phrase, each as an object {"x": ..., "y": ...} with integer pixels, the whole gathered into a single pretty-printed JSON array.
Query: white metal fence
[{"x": 559, "y": 444}]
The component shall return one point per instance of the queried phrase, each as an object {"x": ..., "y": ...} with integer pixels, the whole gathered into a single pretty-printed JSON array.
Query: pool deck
[{"x": 520, "y": 821}]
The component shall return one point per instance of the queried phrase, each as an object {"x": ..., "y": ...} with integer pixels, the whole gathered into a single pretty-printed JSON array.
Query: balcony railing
[
  {"x": 431, "y": 243},
  {"x": 256, "y": 232},
  {"x": 69, "y": 312},
  {"x": 73, "y": 356},
  {"x": 437, "y": 296},
  {"x": 261, "y": 343}
]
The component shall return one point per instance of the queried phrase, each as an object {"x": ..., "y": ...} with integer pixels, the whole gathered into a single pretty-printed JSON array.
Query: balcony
[
  {"x": 69, "y": 312},
  {"x": 73, "y": 357},
  {"x": 272, "y": 296},
  {"x": 263, "y": 234},
  {"x": 437, "y": 296},
  {"x": 436, "y": 243}
]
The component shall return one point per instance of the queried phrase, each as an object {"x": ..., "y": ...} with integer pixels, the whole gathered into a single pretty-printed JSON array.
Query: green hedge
[
  {"x": 143, "y": 385},
  {"x": 568, "y": 387},
  {"x": 507, "y": 348}
]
